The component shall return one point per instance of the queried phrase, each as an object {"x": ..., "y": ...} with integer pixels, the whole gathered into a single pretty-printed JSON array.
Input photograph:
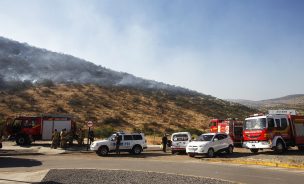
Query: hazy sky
[{"x": 226, "y": 48}]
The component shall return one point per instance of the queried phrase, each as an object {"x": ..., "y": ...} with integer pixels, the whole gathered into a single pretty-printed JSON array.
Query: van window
[{"x": 180, "y": 137}]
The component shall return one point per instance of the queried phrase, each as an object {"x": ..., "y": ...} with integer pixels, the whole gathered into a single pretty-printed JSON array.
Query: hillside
[
  {"x": 21, "y": 62},
  {"x": 120, "y": 108},
  {"x": 35, "y": 81},
  {"x": 287, "y": 102}
]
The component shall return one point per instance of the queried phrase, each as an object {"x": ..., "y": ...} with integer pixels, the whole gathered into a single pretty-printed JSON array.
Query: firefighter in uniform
[
  {"x": 80, "y": 135},
  {"x": 63, "y": 136},
  {"x": 55, "y": 139}
]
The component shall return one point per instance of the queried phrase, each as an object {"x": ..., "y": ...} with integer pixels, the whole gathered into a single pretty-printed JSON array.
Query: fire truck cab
[{"x": 276, "y": 131}]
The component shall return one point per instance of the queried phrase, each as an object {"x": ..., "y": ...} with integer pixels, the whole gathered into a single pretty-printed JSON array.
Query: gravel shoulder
[{"x": 122, "y": 176}]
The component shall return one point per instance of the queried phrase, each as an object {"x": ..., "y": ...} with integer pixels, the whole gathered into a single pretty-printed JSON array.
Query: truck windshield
[
  {"x": 180, "y": 137},
  {"x": 255, "y": 124},
  {"x": 205, "y": 137}
]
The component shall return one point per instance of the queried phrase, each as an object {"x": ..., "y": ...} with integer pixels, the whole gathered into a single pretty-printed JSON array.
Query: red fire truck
[
  {"x": 232, "y": 127},
  {"x": 26, "y": 129},
  {"x": 278, "y": 130}
]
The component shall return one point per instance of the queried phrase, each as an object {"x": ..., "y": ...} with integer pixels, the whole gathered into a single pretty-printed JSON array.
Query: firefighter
[
  {"x": 63, "y": 136},
  {"x": 80, "y": 135},
  {"x": 55, "y": 139}
]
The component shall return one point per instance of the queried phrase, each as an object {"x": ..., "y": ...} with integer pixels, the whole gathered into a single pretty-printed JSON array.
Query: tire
[
  {"x": 230, "y": 149},
  {"x": 301, "y": 148},
  {"x": 191, "y": 155},
  {"x": 22, "y": 140},
  {"x": 210, "y": 153},
  {"x": 254, "y": 150},
  {"x": 102, "y": 151},
  {"x": 280, "y": 148},
  {"x": 136, "y": 150}
]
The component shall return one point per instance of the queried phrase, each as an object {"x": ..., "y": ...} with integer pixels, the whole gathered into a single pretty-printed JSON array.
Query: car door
[
  {"x": 224, "y": 141},
  {"x": 126, "y": 143},
  {"x": 216, "y": 143}
]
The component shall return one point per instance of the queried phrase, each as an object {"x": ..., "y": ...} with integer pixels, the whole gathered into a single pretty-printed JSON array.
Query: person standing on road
[
  {"x": 63, "y": 138},
  {"x": 118, "y": 140},
  {"x": 165, "y": 142},
  {"x": 91, "y": 136},
  {"x": 55, "y": 139}
]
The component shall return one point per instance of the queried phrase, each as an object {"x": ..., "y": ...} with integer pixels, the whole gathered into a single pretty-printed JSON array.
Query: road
[{"x": 152, "y": 161}]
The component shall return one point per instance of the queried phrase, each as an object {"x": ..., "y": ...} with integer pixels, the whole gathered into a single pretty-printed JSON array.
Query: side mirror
[{"x": 215, "y": 139}]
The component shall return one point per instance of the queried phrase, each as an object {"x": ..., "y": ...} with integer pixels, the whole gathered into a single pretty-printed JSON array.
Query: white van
[{"x": 179, "y": 141}]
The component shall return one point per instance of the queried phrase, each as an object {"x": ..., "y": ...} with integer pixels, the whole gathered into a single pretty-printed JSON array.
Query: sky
[{"x": 230, "y": 49}]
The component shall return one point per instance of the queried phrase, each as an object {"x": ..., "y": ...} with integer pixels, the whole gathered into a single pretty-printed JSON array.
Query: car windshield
[
  {"x": 205, "y": 137},
  {"x": 255, "y": 124},
  {"x": 112, "y": 137},
  {"x": 180, "y": 137}
]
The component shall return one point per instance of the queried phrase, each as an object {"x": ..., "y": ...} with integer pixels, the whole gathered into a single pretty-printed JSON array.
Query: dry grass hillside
[{"x": 115, "y": 108}]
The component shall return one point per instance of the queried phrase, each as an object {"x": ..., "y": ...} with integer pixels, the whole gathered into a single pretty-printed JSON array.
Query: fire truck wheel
[
  {"x": 254, "y": 150},
  {"x": 21, "y": 140},
  {"x": 210, "y": 153},
  {"x": 102, "y": 151},
  {"x": 279, "y": 147},
  {"x": 230, "y": 149}
]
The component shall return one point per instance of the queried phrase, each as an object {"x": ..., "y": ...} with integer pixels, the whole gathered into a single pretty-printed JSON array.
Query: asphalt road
[{"x": 154, "y": 162}]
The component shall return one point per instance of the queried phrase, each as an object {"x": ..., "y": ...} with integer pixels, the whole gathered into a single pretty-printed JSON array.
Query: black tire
[
  {"x": 301, "y": 148},
  {"x": 22, "y": 140},
  {"x": 136, "y": 150},
  {"x": 210, "y": 153},
  {"x": 280, "y": 148},
  {"x": 229, "y": 149},
  {"x": 191, "y": 155},
  {"x": 102, "y": 151},
  {"x": 254, "y": 150}
]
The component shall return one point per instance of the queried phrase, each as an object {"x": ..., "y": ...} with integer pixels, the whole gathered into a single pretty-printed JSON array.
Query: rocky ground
[{"x": 121, "y": 176}]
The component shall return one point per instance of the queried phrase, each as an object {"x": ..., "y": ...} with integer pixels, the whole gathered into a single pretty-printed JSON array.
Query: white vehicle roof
[{"x": 180, "y": 133}]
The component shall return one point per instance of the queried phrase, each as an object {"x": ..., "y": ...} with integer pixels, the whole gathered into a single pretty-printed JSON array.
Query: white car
[
  {"x": 209, "y": 144},
  {"x": 179, "y": 141},
  {"x": 133, "y": 143}
]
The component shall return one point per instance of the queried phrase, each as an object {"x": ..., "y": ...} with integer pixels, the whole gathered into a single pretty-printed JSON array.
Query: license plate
[{"x": 253, "y": 145}]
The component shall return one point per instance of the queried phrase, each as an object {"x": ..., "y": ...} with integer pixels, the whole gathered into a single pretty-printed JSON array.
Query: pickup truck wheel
[
  {"x": 254, "y": 150},
  {"x": 210, "y": 153},
  {"x": 279, "y": 147},
  {"x": 102, "y": 151},
  {"x": 230, "y": 149},
  {"x": 136, "y": 150}
]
